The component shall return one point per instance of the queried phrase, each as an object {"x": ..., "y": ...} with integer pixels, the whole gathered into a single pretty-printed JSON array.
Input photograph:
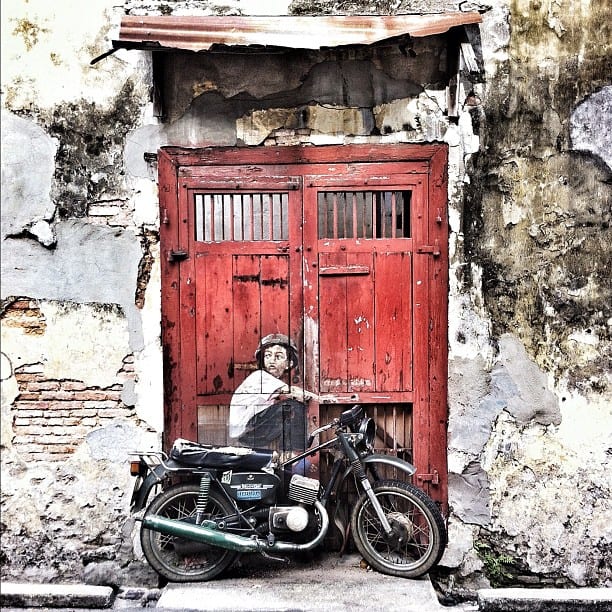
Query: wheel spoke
[
  {"x": 178, "y": 558},
  {"x": 417, "y": 535}
]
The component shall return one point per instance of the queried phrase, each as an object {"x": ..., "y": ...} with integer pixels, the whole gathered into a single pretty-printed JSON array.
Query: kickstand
[{"x": 268, "y": 556}]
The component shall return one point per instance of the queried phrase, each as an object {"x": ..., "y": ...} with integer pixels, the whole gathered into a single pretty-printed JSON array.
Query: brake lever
[{"x": 316, "y": 432}]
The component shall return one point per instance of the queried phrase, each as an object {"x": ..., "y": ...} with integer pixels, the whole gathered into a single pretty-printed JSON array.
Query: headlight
[{"x": 367, "y": 429}]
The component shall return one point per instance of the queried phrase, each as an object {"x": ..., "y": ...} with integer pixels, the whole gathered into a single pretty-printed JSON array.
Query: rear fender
[{"x": 143, "y": 487}]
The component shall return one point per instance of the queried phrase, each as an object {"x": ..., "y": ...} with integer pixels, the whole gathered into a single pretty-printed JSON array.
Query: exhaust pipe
[{"x": 207, "y": 533}]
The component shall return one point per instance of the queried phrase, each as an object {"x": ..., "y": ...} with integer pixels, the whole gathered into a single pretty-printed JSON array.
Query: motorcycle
[{"x": 218, "y": 502}]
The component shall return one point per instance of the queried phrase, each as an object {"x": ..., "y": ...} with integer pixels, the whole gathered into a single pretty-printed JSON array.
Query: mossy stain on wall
[
  {"x": 89, "y": 157},
  {"x": 537, "y": 214},
  {"x": 29, "y": 32}
]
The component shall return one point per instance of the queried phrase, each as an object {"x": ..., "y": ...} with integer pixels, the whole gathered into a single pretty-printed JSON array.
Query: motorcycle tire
[
  {"x": 418, "y": 537},
  {"x": 178, "y": 559}
]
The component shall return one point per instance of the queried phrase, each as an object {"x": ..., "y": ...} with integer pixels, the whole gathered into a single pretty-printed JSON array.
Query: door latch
[
  {"x": 432, "y": 249},
  {"x": 434, "y": 477},
  {"x": 178, "y": 255}
]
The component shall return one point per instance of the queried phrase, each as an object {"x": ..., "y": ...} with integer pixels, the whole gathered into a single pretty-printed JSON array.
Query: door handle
[{"x": 177, "y": 255}]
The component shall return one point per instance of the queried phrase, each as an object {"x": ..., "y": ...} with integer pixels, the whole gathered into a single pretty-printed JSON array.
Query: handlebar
[
  {"x": 320, "y": 430},
  {"x": 347, "y": 418}
]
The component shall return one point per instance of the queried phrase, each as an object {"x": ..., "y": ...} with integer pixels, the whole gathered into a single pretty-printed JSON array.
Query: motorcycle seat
[{"x": 193, "y": 454}]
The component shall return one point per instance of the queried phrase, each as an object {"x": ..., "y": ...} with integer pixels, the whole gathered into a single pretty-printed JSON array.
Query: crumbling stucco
[
  {"x": 534, "y": 229},
  {"x": 26, "y": 145},
  {"x": 73, "y": 505},
  {"x": 585, "y": 125},
  {"x": 85, "y": 342},
  {"x": 89, "y": 263}
]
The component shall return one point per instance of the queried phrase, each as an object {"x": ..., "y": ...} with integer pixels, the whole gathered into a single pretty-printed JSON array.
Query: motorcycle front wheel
[
  {"x": 178, "y": 559},
  {"x": 418, "y": 534}
]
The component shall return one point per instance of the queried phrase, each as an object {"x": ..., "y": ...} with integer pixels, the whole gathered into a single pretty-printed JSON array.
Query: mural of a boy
[{"x": 266, "y": 410}]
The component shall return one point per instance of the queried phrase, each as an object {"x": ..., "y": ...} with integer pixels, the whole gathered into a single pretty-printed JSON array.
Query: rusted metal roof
[{"x": 203, "y": 33}]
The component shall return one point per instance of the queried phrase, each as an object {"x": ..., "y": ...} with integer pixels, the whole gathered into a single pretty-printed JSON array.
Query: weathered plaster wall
[
  {"x": 529, "y": 295},
  {"x": 530, "y": 400},
  {"x": 81, "y": 367}
]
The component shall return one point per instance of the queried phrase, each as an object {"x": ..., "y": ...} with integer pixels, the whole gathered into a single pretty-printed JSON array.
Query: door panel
[
  {"x": 365, "y": 307},
  {"x": 346, "y": 322},
  {"x": 213, "y": 346},
  {"x": 393, "y": 307},
  {"x": 364, "y": 238},
  {"x": 240, "y": 298}
]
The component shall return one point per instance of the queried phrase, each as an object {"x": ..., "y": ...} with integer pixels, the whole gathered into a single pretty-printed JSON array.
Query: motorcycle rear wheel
[
  {"x": 175, "y": 558},
  {"x": 419, "y": 534}
]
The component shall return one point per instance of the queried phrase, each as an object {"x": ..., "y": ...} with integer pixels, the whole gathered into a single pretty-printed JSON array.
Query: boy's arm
[{"x": 297, "y": 393}]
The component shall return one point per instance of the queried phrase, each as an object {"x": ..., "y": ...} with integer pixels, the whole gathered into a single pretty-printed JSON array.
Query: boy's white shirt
[{"x": 256, "y": 392}]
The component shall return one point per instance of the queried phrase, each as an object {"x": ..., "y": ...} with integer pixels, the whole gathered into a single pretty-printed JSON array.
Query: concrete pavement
[
  {"x": 333, "y": 583},
  {"x": 324, "y": 582}
]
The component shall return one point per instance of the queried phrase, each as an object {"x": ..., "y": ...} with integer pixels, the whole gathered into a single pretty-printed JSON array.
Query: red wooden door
[{"x": 348, "y": 259}]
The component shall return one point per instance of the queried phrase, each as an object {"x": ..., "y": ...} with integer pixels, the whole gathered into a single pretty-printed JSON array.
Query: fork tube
[{"x": 359, "y": 472}]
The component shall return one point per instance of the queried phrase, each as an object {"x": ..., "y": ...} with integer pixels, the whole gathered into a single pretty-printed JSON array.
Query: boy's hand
[{"x": 297, "y": 393}]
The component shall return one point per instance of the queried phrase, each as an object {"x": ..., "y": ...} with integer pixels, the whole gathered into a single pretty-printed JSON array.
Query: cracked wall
[
  {"x": 529, "y": 387},
  {"x": 529, "y": 210},
  {"x": 81, "y": 371}
]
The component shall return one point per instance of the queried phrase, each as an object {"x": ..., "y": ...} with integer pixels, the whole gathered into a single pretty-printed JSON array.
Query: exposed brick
[
  {"x": 73, "y": 385},
  {"x": 28, "y": 413},
  {"x": 27, "y": 396},
  {"x": 45, "y": 385},
  {"x": 21, "y": 304},
  {"x": 65, "y": 421},
  {"x": 19, "y": 422},
  {"x": 101, "y": 405},
  {"x": 32, "y": 430},
  {"x": 37, "y": 449},
  {"x": 64, "y": 405},
  {"x": 54, "y": 440},
  {"x": 89, "y": 422},
  {"x": 87, "y": 412},
  {"x": 51, "y": 433},
  {"x": 32, "y": 405},
  {"x": 52, "y": 417},
  {"x": 90, "y": 395},
  {"x": 57, "y": 395},
  {"x": 117, "y": 412},
  {"x": 24, "y": 377}
]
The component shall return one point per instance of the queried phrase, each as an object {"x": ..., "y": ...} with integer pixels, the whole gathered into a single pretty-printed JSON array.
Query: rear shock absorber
[{"x": 202, "y": 498}]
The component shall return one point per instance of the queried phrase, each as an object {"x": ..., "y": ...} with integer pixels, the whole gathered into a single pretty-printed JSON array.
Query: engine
[
  {"x": 303, "y": 489},
  {"x": 296, "y": 519}
]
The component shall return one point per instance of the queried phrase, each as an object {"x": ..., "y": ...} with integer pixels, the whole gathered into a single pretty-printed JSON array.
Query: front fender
[
  {"x": 389, "y": 460},
  {"x": 392, "y": 461}
]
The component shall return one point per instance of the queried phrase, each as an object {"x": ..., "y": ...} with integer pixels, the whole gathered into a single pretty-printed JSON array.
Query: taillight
[{"x": 137, "y": 468}]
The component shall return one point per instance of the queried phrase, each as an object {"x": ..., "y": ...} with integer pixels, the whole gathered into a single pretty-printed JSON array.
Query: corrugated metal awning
[{"x": 203, "y": 33}]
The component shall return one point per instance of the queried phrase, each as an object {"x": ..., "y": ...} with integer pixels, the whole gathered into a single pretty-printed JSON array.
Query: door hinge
[
  {"x": 433, "y": 249},
  {"x": 434, "y": 477}
]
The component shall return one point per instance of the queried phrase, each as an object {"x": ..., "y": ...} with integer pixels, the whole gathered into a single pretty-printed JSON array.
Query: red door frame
[{"x": 180, "y": 168}]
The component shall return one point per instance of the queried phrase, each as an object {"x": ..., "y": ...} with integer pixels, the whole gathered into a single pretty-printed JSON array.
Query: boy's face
[{"x": 275, "y": 360}]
